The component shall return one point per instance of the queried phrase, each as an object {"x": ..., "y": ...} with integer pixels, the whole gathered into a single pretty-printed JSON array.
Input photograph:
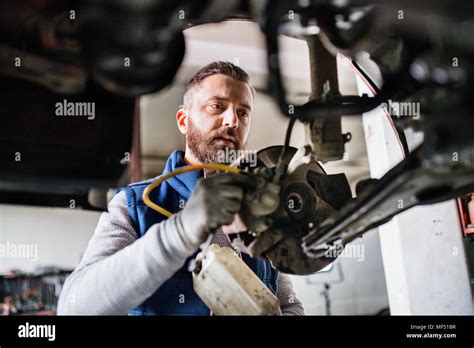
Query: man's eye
[
  {"x": 216, "y": 106},
  {"x": 243, "y": 114}
]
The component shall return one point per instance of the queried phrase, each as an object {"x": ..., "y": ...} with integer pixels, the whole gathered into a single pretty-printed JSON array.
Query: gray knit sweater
[{"x": 119, "y": 271}]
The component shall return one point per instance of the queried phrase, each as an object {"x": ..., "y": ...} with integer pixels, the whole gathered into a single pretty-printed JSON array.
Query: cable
[
  {"x": 186, "y": 169},
  {"x": 371, "y": 84},
  {"x": 281, "y": 168},
  {"x": 289, "y": 130},
  {"x": 399, "y": 135}
]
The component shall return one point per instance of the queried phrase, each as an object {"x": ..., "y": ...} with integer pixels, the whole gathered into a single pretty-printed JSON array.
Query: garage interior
[{"x": 418, "y": 263}]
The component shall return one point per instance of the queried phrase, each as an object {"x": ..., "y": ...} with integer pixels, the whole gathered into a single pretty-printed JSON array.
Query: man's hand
[{"x": 213, "y": 203}]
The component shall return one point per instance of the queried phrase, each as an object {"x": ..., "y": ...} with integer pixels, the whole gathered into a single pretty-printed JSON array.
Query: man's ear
[{"x": 182, "y": 121}]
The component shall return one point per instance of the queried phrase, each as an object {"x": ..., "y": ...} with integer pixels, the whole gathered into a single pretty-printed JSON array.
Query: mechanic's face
[{"x": 218, "y": 118}]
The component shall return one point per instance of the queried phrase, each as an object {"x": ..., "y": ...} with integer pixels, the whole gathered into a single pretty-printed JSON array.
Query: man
[
  {"x": 136, "y": 262},
  {"x": 7, "y": 306}
]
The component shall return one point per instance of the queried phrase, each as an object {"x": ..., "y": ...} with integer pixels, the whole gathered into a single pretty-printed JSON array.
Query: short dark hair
[{"x": 214, "y": 68}]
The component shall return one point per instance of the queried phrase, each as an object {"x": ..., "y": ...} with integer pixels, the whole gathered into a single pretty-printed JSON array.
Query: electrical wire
[
  {"x": 399, "y": 134},
  {"x": 161, "y": 179},
  {"x": 289, "y": 130},
  {"x": 281, "y": 167},
  {"x": 371, "y": 83}
]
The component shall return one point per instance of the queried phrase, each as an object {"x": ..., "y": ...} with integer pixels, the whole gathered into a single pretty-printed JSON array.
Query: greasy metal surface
[
  {"x": 307, "y": 197},
  {"x": 323, "y": 134},
  {"x": 428, "y": 175}
]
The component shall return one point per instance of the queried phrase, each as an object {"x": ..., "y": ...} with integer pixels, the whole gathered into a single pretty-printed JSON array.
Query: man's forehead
[{"x": 220, "y": 86}]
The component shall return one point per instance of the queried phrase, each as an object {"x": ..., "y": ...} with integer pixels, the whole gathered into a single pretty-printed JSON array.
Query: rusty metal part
[
  {"x": 307, "y": 196},
  {"x": 427, "y": 175},
  {"x": 324, "y": 133}
]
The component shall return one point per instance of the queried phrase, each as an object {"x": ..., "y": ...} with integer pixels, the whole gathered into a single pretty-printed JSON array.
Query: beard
[{"x": 206, "y": 147}]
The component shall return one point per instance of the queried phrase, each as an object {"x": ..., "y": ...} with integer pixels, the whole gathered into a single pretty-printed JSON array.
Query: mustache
[{"x": 229, "y": 132}]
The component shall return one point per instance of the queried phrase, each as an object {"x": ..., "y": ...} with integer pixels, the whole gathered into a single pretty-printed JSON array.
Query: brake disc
[{"x": 278, "y": 215}]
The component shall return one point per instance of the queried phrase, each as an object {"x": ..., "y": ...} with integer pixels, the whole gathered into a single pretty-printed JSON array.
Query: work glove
[{"x": 214, "y": 202}]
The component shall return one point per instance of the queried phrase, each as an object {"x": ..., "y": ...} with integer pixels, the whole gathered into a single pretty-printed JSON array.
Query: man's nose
[{"x": 230, "y": 118}]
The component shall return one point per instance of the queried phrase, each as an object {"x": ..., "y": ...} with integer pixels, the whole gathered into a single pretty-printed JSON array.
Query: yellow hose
[{"x": 186, "y": 169}]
